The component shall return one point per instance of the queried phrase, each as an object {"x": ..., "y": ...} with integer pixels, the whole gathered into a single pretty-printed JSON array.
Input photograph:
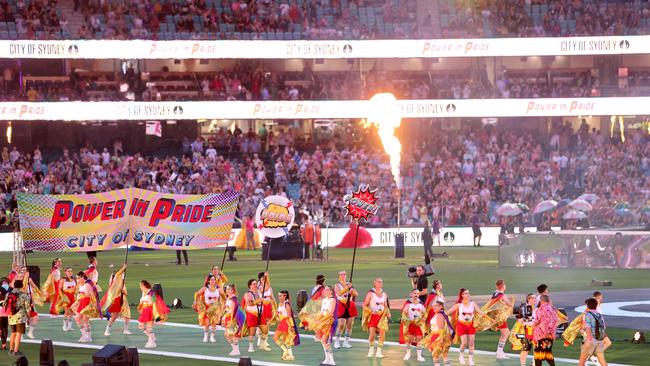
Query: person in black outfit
[
  {"x": 178, "y": 257},
  {"x": 421, "y": 283},
  {"x": 427, "y": 238},
  {"x": 4, "y": 320}
]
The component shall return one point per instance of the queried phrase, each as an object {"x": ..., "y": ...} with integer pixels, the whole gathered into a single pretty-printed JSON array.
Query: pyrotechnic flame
[{"x": 386, "y": 115}]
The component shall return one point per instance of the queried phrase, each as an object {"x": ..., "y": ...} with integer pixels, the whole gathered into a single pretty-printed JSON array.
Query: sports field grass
[{"x": 474, "y": 268}]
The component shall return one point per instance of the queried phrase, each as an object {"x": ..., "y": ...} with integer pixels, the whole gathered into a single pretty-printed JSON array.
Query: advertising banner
[
  {"x": 357, "y": 109},
  {"x": 322, "y": 49},
  {"x": 136, "y": 217}
]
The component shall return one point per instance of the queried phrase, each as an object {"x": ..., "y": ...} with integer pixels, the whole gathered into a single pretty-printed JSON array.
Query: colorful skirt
[
  {"x": 286, "y": 331},
  {"x": 86, "y": 306},
  {"x": 342, "y": 306},
  {"x": 438, "y": 343},
  {"x": 64, "y": 302},
  {"x": 146, "y": 314}
]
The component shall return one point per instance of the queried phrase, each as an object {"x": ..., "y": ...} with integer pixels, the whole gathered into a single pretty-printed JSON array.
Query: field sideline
[{"x": 474, "y": 268}]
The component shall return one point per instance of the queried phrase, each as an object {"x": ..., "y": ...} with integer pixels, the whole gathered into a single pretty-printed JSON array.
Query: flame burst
[{"x": 386, "y": 115}]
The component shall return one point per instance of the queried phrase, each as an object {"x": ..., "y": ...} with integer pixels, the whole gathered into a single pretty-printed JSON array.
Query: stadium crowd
[
  {"x": 247, "y": 82},
  {"x": 448, "y": 176},
  {"x": 317, "y": 19}
]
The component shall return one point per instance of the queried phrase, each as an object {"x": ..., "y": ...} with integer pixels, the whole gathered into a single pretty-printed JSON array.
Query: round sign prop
[{"x": 274, "y": 216}]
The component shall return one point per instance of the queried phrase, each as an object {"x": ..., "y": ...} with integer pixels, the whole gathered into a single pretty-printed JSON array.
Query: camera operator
[{"x": 420, "y": 282}]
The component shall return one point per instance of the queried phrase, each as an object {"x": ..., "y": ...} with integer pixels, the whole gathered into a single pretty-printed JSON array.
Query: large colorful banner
[
  {"x": 334, "y": 49},
  {"x": 136, "y": 217},
  {"x": 425, "y": 108}
]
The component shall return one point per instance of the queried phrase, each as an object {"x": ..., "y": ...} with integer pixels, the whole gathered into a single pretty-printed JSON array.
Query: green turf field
[{"x": 474, "y": 268}]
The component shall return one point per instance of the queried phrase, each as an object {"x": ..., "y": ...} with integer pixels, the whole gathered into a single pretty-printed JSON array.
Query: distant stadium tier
[
  {"x": 438, "y": 108},
  {"x": 424, "y": 48}
]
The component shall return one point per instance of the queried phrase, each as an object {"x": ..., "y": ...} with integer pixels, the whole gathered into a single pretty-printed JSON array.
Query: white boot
[
  {"x": 461, "y": 358},
  {"x": 420, "y": 358},
  {"x": 70, "y": 322},
  {"x": 235, "y": 350},
  {"x": 30, "y": 332},
  {"x": 346, "y": 343},
  {"x": 83, "y": 335},
  {"x": 264, "y": 345},
  {"x": 107, "y": 332},
  {"x": 371, "y": 352},
  {"x": 330, "y": 358},
  {"x": 501, "y": 355},
  {"x": 379, "y": 354},
  {"x": 65, "y": 325},
  {"x": 151, "y": 343},
  {"x": 251, "y": 349},
  {"x": 212, "y": 339},
  {"x": 407, "y": 355},
  {"x": 337, "y": 344},
  {"x": 126, "y": 329},
  {"x": 89, "y": 337},
  {"x": 471, "y": 360},
  {"x": 205, "y": 337}
]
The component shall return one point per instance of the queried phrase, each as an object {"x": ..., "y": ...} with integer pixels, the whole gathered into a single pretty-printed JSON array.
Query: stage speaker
[
  {"x": 245, "y": 361},
  {"x": 399, "y": 245},
  {"x": 301, "y": 299},
  {"x": 111, "y": 355},
  {"x": 47, "y": 353},
  {"x": 35, "y": 274},
  {"x": 134, "y": 357},
  {"x": 159, "y": 290}
]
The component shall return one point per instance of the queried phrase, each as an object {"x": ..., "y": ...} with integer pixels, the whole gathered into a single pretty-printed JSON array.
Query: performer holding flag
[
  {"x": 412, "y": 325},
  {"x": 499, "y": 308},
  {"x": 441, "y": 332},
  {"x": 52, "y": 284},
  {"x": 209, "y": 306},
  {"x": 67, "y": 291},
  {"x": 86, "y": 306},
  {"x": 114, "y": 303},
  {"x": 286, "y": 334},
  {"x": 233, "y": 320},
  {"x": 92, "y": 273},
  {"x": 267, "y": 311},
  {"x": 152, "y": 310},
  {"x": 375, "y": 317},
  {"x": 346, "y": 310}
]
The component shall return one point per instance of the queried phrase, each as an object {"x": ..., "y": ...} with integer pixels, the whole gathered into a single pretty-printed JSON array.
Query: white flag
[{"x": 154, "y": 128}]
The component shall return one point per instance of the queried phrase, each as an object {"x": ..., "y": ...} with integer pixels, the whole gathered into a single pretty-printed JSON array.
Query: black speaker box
[
  {"x": 46, "y": 353},
  {"x": 111, "y": 355},
  {"x": 35, "y": 274}
]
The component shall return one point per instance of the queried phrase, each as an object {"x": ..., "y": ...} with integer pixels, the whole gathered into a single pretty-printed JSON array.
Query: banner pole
[
  {"x": 354, "y": 256},
  {"x": 260, "y": 308},
  {"x": 223, "y": 260}
]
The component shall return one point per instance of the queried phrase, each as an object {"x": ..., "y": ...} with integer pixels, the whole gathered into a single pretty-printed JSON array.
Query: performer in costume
[
  {"x": 115, "y": 302},
  {"x": 286, "y": 334},
  {"x": 85, "y": 307},
  {"x": 466, "y": 311},
  {"x": 412, "y": 325},
  {"x": 268, "y": 310},
  {"x": 546, "y": 321},
  {"x": 253, "y": 306},
  {"x": 317, "y": 290},
  {"x": 521, "y": 336},
  {"x": 52, "y": 284},
  {"x": 435, "y": 295},
  {"x": 209, "y": 306},
  {"x": 233, "y": 320},
  {"x": 346, "y": 310},
  {"x": 152, "y": 310},
  {"x": 499, "y": 308},
  {"x": 248, "y": 237},
  {"x": 67, "y": 291},
  {"x": 36, "y": 296},
  {"x": 376, "y": 313},
  {"x": 92, "y": 272},
  {"x": 440, "y": 335},
  {"x": 320, "y": 317},
  {"x": 364, "y": 239}
]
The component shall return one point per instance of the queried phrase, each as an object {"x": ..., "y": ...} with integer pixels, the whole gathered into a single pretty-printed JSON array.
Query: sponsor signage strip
[
  {"x": 230, "y": 49},
  {"x": 139, "y": 111}
]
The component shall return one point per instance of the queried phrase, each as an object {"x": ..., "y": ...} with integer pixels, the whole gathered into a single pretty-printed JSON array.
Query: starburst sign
[{"x": 362, "y": 204}]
